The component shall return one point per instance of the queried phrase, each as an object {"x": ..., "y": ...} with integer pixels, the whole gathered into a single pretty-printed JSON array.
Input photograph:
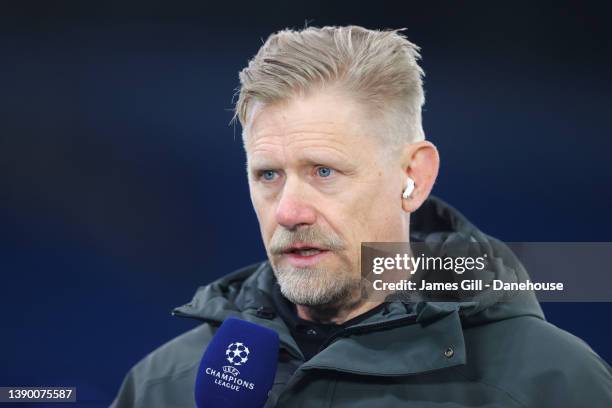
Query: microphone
[{"x": 238, "y": 367}]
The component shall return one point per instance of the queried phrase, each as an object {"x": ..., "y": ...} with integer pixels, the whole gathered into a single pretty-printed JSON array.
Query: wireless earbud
[{"x": 409, "y": 188}]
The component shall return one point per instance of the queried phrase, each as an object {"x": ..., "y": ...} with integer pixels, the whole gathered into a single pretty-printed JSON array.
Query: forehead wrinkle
[
  {"x": 262, "y": 152},
  {"x": 310, "y": 151},
  {"x": 291, "y": 122},
  {"x": 308, "y": 137},
  {"x": 280, "y": 134},
  {"x": 305, "y": 149}
]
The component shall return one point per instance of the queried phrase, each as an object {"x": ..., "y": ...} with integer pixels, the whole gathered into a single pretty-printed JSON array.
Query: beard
[{"x": 315, "y": 286}]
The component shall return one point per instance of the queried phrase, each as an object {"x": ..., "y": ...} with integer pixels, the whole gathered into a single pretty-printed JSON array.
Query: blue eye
[
  {"x": 324, "y": 171},
  {"x": 268, "y": 175}
]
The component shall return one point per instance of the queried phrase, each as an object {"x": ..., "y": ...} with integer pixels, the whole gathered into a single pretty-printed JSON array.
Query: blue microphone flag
[{"x": 238, "y": 367}]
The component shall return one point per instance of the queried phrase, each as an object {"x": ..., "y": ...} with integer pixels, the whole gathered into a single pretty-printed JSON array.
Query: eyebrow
[
  {"x": 306, "y": 157},
  {"x": 324, "y": 158},
  {"x": 260, "y": 163}
]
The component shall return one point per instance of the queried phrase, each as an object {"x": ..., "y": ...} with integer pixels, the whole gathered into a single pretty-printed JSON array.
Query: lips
[
  {"x": 304, "y": 250},
  {"x": 304, "y": 255}
]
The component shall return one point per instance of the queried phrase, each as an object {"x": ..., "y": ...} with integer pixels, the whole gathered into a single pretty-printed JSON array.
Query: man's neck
[{"x": 334, "y": 314}]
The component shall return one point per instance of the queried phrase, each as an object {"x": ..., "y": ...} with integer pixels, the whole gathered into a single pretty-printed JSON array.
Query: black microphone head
[{"x": 238, "y": 367}]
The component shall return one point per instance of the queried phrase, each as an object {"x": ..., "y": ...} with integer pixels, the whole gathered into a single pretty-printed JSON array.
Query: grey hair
[{"x": 377, "y": 68}]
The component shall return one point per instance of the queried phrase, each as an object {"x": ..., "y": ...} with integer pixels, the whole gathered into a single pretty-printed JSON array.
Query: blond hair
[{"x": 377, "y": 68}]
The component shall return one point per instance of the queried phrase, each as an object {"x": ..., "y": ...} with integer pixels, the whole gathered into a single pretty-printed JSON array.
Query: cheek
[
  {"x": 265, "y": 214},
  {"x": 350, "y": 219},
  {"x": 375, "y": 213}
]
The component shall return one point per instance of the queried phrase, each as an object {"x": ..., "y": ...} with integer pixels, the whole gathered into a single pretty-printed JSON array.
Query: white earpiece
[{"x": 409, "y": 188}]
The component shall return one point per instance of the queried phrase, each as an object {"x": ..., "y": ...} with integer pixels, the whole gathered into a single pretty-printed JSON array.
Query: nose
[{"x": 294, "y": 208}]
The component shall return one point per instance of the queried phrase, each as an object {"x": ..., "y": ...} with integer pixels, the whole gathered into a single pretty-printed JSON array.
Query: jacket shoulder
[
  {"x": 166, "y": 376},
  {"x": 537, "y": 363}
]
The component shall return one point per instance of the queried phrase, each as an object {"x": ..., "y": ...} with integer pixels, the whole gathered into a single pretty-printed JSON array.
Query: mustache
[{"x": 283, "y": 239}]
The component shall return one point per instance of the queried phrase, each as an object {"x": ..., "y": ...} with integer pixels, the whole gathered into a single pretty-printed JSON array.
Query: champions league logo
[{"x": 237, "y": 354}]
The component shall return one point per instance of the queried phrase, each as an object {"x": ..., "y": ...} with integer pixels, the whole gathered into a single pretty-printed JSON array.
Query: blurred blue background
[{"x": 123, "y": 187}]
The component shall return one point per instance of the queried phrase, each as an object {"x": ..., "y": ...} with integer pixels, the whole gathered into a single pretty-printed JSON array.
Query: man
[{"x": 336, "y": 156}]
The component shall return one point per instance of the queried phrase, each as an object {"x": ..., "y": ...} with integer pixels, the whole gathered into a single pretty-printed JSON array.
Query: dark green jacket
[{"x": 482, "y": 353}]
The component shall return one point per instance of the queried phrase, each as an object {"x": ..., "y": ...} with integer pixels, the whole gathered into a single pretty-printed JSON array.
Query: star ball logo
[{"x": 237, "y": 354}]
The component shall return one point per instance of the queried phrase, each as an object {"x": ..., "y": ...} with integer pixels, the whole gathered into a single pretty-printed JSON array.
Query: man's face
[{"x": 321, "y": 183}]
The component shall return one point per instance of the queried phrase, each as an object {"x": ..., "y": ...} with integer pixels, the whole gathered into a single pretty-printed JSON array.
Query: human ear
[{"x": 420, "y": 162}]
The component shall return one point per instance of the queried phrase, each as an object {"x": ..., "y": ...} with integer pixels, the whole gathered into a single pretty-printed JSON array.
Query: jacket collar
[{"x": 409, "y": 338}]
